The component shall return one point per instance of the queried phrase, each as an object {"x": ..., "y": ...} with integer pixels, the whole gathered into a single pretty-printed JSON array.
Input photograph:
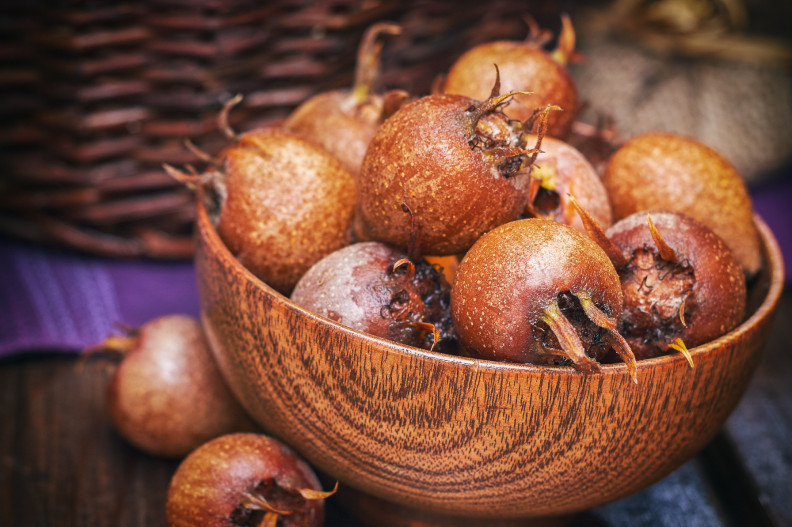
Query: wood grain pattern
[{"x": 463, "y": 436}]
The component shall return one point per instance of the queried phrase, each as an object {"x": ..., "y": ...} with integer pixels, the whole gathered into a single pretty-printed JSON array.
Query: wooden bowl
[{"x": 468, "y": 437}]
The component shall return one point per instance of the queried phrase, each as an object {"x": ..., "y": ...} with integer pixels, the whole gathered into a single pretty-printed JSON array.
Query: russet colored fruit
[
  {"x": 244, "y": 480},
  {"x": 561, "y": 171},
  {"x": 524, "y": 66},
  {"x": 285, "y": 203},
  {"x": 376, "y": 289},
  {"x": 673, "y": 172},
  {"x": 458, "y": 163},
  {"x": 537, "y": 291},
  {"x": 167, "y": 396}
]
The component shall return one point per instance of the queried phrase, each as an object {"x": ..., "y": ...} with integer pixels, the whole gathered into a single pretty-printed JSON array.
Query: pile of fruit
[
  {"x": 463, "y": 222},
  {"x": 348, "y": 205}
]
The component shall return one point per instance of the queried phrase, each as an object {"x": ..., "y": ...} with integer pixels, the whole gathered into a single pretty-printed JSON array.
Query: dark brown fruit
[
  {"x": 167, "y": 396},
  {"x": 559, "y": 171},
  {"x": 537, "y": 291},
  {"x": 692, "y": 289},
  {"x": 373, "y": 288},
  {"x": 344, "y": 121},
  {"x": 524, "y": 66},
  {"x": 458, "y": 163},
  {"x": 244, "y": 480},
  {"x": 673, "y": 172},
  {"x": 285, "y": 204}
]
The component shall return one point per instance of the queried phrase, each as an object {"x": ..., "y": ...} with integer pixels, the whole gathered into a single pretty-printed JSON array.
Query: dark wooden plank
[
  {"x": 760, "y": 429},
  {"x": 686, "y": 497},
  {"x": 61, "y": 464}
]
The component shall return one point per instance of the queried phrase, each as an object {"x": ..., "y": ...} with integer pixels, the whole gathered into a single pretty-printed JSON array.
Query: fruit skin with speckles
[
  {"x": 705, "y": 282},
  {"x": 507, "y": 281},
  {"x": 564, "y": 171},
  {"x": 285, "y": 204},
  {"x": 222, "y": 483},
  {"x": 167, "y": 396},
  {"x": 524, "y": 67},
  {"x": 423, "y": 155},
  {"x": 357, "y": 286},
  {"x": 669, "y": 171}
]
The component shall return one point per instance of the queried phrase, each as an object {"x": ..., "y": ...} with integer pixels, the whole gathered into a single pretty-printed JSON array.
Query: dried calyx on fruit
[
  {"x": 280, "y": 202},
  {"x": 380, "y": 290},
  {"x": 524, "y": 66},
  {"x": 344, "y": 121},
  {"x": 561, "y": 171},
  {"x": 682, "y": 285},
  {"x": 459, "y": 163},
  {"x": 245, "y": 480},
  {"x": 537, "y": 291}
]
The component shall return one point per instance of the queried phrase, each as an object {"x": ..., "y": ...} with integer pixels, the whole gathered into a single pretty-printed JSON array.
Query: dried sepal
[
  {"x": 594, "y": 313},
  {"x": 568, "y": 338},
  {"x": 623, "y": 349},
  {"x": 407, "y": 263},
  {"x": 679, "y": 345},
  {"x": 311, "y": 494},
  {"x": 666, "y": 252},
  {"x": 597, "y": 233},
  {"x": 426, "y": 328}
]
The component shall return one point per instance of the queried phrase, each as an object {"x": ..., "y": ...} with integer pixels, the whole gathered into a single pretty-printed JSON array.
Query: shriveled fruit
[
  {"x": 682, "y": 285},
  {"x": 673, "y": 172},
  {"x": 280, "y": 203},
  {"x": 537, "y": 291},
  {"x": 167, "y": 396},
  {"x": 344, "y": 121},
  {"x": 374, "y": 288},
  {"x": 524, "y": 66},
  {"x": 459, "y": 163},
  {"x": 244, "y": 480},
  {"x": 561, "y": 171}
]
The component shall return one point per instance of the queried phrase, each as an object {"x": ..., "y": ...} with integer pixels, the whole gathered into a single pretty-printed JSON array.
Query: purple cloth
[{"x": 60, "y": 300}]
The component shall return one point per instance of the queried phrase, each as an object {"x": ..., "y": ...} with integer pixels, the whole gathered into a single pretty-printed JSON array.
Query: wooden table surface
[{"x": 61, "y": 463}]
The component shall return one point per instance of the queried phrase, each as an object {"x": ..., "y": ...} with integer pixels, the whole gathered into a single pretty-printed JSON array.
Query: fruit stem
[
  {"x": 597, "y": 233},
  {"x": 568, "y": 338},
  {"x": 666, "y": 252},
  {"x": 368, "y": 59},
  {"x": 412, "y": 244},
  {"x": 565, "y": 49},
  {"x": 222, "y": 118}
]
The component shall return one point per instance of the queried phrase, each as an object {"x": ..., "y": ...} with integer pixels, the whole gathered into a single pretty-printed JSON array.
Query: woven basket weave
[{"x": 96, "y": 95}]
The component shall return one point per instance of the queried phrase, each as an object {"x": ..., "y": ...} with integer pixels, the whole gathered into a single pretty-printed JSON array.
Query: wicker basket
[{"x": 96, "y": 95}]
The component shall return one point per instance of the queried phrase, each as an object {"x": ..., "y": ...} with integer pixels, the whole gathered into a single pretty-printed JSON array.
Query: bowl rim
[{"x": 774, "y": 267}]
